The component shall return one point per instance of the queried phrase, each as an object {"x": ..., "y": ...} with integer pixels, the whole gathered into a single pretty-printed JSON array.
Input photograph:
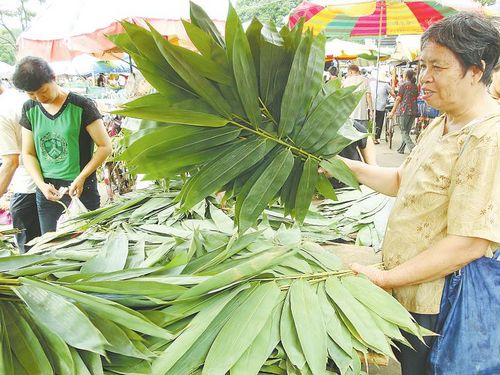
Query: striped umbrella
[
  {"x": 304, "y": 10},
  {"x": 374, "y": 18}
]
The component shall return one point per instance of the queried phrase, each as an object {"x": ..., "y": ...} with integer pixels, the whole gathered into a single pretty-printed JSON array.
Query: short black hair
[
  {"x": 31, "y": 73},
  {"x": 333, "y": 70},
  {"x": 410, "y": 75},
  {"x": 473, "y": 38}
]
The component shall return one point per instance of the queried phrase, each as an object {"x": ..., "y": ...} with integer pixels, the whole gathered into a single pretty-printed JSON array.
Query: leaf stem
[{"x": 264, "y": 134}]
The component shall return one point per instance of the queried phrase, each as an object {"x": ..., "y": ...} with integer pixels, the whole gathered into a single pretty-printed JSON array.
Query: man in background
[
  {"x": 23, "y": 203},
  {"x": 361, "y": 113}
]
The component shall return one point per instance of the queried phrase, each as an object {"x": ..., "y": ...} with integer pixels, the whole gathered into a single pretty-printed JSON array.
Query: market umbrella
[
  {"x": 67, "y": 28},
  {"x": 305, "y": 10},
  {"x": 375, "y": 18}
]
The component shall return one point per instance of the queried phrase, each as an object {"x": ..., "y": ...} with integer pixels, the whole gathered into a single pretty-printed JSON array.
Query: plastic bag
[
  {"x": 75, "y": 208},
  {"x": 469, "y": 341}
]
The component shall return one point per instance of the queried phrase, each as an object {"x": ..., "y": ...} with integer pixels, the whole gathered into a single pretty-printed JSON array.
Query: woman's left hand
[
  {"x": 375, "y": 274},
  {"x": 76, "y": 187}
]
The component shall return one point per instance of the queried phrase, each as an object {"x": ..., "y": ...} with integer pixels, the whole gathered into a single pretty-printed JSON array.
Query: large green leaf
[
  {"x": 145, "y": 44},
  {"x": 197, "y": 353},
  {"x": 193, "y": 332},
  {"x": 289, "y": 190},
  {"x": 200, "y": 18},
  {"x": 329, "y": 115},
  {"x": 159, "y": 108},
  {"x": 381, "y": 303},
  {"x": 63, "y": 318},
  {"x": 242, "y": 329},
  {"x": 112, "y": 257},
  {"x": 246, "y": 269},
  {"x": 305, "y": 189},
  {"x": 253, "y": 35},
  {"x": 309, "y": 324},
  {"x": 303, "y": 83},
  {"x": 57, "y": 350},
  {"x": 6, "y": 364},
  {"x": 346, "y": 135},
  {"x": 23, "y": 342},
  {"x": 275, "y": 62},
  {"x": 266, "y": 187},
  {"x": 338, "y": 169},
  {"x": 171, "y": 164},
  {"x": 235, "y": 161},
  {"x": 106, "y": 309},
  {"x": 245, "y": 77},
  {"x": 290, "y": 338},
  {"x": 204, "y": 43},
  {"x": 201, "y": 85},
  {"x": 357, "y": 315},
  {"x": 262, "y": 347},
  {"x": 16, "y": 262},
  {"x": 118, "y": 341},
  {"x": 178, "y": 140}
]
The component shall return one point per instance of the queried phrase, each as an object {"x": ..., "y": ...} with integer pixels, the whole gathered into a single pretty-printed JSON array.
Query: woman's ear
[{"x": 477, "y": 72}]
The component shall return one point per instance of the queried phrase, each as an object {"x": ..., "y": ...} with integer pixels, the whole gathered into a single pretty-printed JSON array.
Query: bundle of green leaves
[
  {"x": 169, "y": 301},
  {"x": 247, "y": 113}
]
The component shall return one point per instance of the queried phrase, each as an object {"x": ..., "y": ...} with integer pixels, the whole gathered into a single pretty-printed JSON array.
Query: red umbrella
[
  {"x": 304, "y": 10},
  {"x": 68, "y": 28}
]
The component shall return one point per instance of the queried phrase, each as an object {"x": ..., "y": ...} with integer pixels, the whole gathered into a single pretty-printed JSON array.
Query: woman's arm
[
  {"x": 368, "y": 153},
  {"x": 101, "y": 139},
  {"x": 396, "y": 105},
  {"x": 382, "y": 179},
  {"x": 30, "y": 161},
  {"x": 7, "y": 170},
  {"x": 446, "y": 256}
]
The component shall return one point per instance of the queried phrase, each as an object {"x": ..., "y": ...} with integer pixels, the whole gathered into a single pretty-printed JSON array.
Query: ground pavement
[{"x": 389, "y": 158}]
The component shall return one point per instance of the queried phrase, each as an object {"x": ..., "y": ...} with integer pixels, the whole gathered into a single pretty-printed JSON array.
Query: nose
[{"x": 425, "y": 76}]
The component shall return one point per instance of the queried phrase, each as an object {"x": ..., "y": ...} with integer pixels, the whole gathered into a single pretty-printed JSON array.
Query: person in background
[
  {"x": 495, "y": 82},
  {"x": 333, "y": 71},
  {"x": 101, "y": 80},
  {"x": 23, "y": 203},
  {"x": 405, "y": 107},
  {"x": 362, "y": 112},
  {"x": 380, "y": 93},
  {"x": 59, "y": 131},
  {"x": 446, "y": 216}
]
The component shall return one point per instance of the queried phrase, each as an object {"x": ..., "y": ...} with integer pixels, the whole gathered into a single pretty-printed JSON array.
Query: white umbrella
[{"x": 67, "y": 28}]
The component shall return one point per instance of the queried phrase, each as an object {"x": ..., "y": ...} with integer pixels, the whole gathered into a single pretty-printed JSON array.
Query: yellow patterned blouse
[{"x": 450, "y": 184}]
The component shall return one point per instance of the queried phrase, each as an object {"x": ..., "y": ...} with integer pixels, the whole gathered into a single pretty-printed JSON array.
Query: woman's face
[{"x": 443, "y": 81}]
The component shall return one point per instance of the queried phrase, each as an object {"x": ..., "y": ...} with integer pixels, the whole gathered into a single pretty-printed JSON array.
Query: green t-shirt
[{"x": 63, "y": 145}]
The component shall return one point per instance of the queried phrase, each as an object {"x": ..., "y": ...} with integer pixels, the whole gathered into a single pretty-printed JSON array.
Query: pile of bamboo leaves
[
  {"x": 247, "y": 113},
  {"x": 263, "y": 302},
  {"x": 358, "y": 216}
]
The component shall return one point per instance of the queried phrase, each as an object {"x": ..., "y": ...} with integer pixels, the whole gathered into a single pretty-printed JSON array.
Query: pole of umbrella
[{"x": 382, "y": 5}]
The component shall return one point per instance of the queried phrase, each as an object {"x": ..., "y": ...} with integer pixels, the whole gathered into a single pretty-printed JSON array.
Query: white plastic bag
[{"x": 75, "y": 208}]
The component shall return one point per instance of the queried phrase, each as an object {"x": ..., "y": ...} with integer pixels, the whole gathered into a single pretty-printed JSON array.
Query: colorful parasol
[
  {"x": 305, "y": 10},
  {"x": 374, "y": 18}
]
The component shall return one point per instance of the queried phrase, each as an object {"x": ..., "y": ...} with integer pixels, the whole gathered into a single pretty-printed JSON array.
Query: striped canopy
[{"x": 374, "y": 18}]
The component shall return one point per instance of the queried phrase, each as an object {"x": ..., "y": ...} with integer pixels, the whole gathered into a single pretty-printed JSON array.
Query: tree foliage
[
  {"x": 13, "y": 21},
  {"x": 265, "y": 10},
  {"x": 486, "y": 2}
]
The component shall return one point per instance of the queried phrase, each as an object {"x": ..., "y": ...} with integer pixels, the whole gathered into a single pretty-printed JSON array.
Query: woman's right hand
[{"x": 50, "y": 192}]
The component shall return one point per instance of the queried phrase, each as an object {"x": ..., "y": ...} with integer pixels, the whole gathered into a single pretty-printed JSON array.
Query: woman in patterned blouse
[{"x": 447, "y": 208}]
